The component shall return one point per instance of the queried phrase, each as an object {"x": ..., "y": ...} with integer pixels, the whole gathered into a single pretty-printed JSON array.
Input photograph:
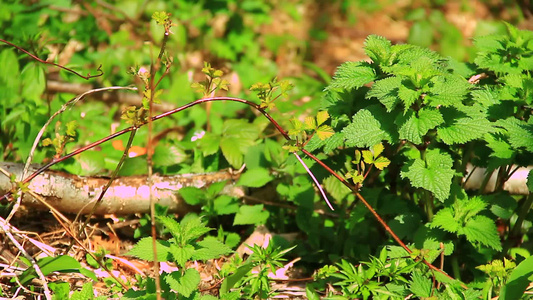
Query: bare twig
[
  {"x": 89, "y": 76},
  {"x": 7, "y": 228}
]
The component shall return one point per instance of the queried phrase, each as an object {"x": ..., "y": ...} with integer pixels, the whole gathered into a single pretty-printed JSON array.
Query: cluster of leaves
[
  {"x": 187, "y": 245},
  {"x": 434, "y": 122}
]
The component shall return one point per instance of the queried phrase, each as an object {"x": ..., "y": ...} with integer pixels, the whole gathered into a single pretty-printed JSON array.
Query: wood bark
[{"x": 127, "y": 195}]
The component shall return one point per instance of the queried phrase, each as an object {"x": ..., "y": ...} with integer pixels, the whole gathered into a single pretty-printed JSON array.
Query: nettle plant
[{"x": 437, "y": 119}]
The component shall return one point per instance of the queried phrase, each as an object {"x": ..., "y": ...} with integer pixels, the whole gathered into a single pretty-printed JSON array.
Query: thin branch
[
  {"x": 6, "y": 228},
  {"x": 89, "y": 76},
  {"x": 314, "y": 180}
]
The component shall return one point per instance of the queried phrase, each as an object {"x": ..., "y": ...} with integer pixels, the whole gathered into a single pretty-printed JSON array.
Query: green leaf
[
  {"x": 184, "y": 284},
  {"x": 251, "y": 214},
  {"x": 192, "y": 195},
  {"x": 460, "y": 127},
  {"x": 520, "y": 132},
  {"x": 420, "y": 285},
  {"x": 231, "y": 280},
  {"x": 181, "y": 255},
  {"x": 365, "y": 130},
  {"x": 386, "y": 91},
  {"x": 211, "y": 248},
  {"x": 168, "y": 155},
  {"x": 324, "y": 132},
  {"x": 408, "y": 96},
  {"x": 447, "y": 90},
  {"x": 232, "y": 151},
  {"x": 445, "y": 219},
  {"x": 62, "y": 263},
  {"x": 144, "y": 250},
  {"x": 377, "y": 48},
  {"x": 225, "y": 205},
  {"x": 415, "y": 127},
  {"x": 257, "y": 177},
  {"x": 193, "y": 228},
  {"x": 434, "y": 174},
  {"x": 86, "y": 293},
  {"x": 311, "y": 293},
  {"x": 481, "y": 229},
  {"x": 518, "y": 281},
  {"x": 352, "y": 75},
  {"x": 33, "y": 81},
  {"x": 321, "y": 117},
  {"x": 381, "y": 162}
]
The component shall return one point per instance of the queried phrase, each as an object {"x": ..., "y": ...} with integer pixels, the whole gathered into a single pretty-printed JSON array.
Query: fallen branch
[{"x": 127, "y": 195}]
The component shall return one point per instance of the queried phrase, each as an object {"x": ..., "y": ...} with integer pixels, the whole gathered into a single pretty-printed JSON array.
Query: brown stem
[{"x": 89, "y": 76}]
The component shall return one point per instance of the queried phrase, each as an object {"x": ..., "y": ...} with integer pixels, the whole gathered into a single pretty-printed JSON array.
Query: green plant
[
  {"x": 182, "y": 247},
  {"x": 252, "y": 275},
  {"x": 434, "y": 118},
  {"x": 400, "y": 131}
]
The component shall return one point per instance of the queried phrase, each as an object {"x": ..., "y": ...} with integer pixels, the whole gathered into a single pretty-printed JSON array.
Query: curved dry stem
[
  {"x": 6, "y": 228},
  {"x": 89, "y": 76}
]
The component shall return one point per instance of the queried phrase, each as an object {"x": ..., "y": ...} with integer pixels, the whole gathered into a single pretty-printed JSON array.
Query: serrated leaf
[
  {"x": 386, "y": 91},
  {"x": 481, "y": 229},
  {"x": 445, "y": 219},
  {"x": 420, "y": 285},
  {"x": 310, "y": 123},
  {"x": 335, "y": 141},
  {"x": 211, "y": 248},
  {"x": 352, "y": 75},
  {"x": 365, "y": 130},
  {"x": 415, "y": 127},
  {"x": 377, "y": 48},
  {"x": 460, "y": 128},
  {"x": 520, "y": 132},
  {"x": 447, "y": 90},
  {"x": 408, "y": 96},
  {"x": 250, "y": 214},
  {"x": 485, "y": 96},
  {"x": 192, "y": 228},
  {"x": 368, "y": 157},
  {"x": 171, "y": 224},
  {"x": 324, "y": 132},
  {"x": 434, "y": 174},
  {"x": 378, "y": 149},
  {"x": 143, "y": 250},
  {"x": 86, "y": 293},
  {"x": 257, "y": 177},
  {"x": 381, "y": 162},
  {"x": 322, "y": 117},
  {"x": 184, "y": 284},
  {"x": 501, "y": 149},
  {"x": 181, "y": 254}
]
